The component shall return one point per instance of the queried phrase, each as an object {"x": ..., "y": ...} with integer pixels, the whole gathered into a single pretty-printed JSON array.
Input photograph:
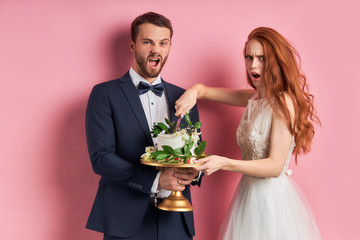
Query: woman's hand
[
  {"x": 187, "y": 101},
  {"x": 211, "y": 164}
]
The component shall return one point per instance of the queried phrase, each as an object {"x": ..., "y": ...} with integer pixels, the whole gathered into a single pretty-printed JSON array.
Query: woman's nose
[{"x": 254, "y": 64}]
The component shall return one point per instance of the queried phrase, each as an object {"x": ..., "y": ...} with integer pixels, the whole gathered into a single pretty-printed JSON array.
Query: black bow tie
[{"x": 158, "y": 89}]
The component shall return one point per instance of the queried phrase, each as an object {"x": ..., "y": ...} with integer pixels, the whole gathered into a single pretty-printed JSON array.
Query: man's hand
[
  {"x": 185, "y": 175},
  {"x": 175, "y": 179}
]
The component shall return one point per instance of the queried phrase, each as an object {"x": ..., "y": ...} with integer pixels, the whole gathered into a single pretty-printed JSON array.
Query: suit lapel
[{"x": 132, "y": 96}]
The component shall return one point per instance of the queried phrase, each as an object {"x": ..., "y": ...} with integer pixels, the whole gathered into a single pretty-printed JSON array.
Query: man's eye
[
  {"x": 146, "y": 42},
  {"x": 163, "y": 44},
  {"x": 248, "y": 57}
]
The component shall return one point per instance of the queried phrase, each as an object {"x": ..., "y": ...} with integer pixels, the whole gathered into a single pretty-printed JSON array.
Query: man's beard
[{"x": 150, "y": 73}]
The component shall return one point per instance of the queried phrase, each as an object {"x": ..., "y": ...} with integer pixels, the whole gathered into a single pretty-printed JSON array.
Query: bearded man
[{"x": 119, "y": 117}]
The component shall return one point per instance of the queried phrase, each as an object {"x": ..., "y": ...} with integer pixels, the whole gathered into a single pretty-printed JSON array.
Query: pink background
[{"x": 53, "y": 52}]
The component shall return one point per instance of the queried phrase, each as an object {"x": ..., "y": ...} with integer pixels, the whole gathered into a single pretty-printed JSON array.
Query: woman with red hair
[{"x": 277, "y": 122}]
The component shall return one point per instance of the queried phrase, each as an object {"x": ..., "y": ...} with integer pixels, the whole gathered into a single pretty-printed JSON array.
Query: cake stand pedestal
[{"x": 176, "y": 202}]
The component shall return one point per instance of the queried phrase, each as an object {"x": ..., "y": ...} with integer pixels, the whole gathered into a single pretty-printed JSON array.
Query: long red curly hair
[{"x": 282, "y": 75}]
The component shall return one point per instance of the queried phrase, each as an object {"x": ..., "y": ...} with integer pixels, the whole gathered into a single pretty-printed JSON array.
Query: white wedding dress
[{"x": 266, "y": 208}]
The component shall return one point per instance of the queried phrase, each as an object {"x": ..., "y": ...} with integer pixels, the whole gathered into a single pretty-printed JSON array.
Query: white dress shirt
[{"x": 156, "y": 110}]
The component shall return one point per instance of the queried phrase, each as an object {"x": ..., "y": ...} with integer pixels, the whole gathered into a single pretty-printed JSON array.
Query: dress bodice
[{"x": 254, "y": 131}]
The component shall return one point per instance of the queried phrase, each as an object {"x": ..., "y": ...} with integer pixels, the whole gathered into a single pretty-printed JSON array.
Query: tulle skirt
[{"x": 269, "y": 209}]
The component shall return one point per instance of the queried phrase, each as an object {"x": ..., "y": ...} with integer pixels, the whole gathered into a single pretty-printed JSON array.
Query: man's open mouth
[{"x": 154, "y": 62}]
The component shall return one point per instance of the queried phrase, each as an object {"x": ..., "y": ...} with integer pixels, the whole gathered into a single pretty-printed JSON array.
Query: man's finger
[{"x": 183, "y": 183}]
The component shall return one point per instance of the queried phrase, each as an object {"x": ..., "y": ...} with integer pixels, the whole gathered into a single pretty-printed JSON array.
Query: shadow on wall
[
  {"x": 119, "y": 54},
  {"x": 75, "y": 178}
]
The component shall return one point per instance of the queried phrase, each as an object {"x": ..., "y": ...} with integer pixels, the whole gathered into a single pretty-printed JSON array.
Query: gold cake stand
[{"x": 176, "y": 202}]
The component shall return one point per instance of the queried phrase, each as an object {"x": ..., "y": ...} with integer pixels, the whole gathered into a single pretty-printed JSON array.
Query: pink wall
[{"x": 53, "y": 52}]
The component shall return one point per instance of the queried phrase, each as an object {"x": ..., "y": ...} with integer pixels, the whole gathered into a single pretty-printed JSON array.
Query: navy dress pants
[{"x": 159, "y": 225}]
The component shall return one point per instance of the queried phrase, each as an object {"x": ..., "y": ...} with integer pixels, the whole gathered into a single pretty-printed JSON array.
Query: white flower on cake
[
  {"x": 148, "y": 151},
  {"x": 176, "y": 145}
]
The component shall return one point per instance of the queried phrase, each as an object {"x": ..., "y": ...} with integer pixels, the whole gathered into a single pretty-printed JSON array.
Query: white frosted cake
[
  {"x": 173, "y": 140},
  {"x": 179, "y": 142}
]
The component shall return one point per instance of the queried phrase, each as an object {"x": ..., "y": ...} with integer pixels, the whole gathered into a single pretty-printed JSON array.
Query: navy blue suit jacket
[{"x": 117, "y": 133}]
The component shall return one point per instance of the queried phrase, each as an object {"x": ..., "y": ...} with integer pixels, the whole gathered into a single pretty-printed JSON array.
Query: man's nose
[{"x": 155, "y": 48}]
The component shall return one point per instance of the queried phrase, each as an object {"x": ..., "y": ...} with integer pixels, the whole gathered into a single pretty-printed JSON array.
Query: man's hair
[{"x": 153, "y": 18}]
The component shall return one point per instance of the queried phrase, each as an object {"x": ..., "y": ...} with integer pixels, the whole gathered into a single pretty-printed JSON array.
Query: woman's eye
[{"x": 262, "y": 58}]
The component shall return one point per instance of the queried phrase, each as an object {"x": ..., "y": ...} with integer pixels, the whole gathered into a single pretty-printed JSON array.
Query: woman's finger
[
  {"x": 181, "y": 110},
  {"x": 202, "y": 160},
  {"x": 201, "y": 168}
]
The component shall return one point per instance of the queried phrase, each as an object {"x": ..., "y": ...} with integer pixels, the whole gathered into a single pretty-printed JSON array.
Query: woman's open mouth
[{"x": 255, "y": 75}]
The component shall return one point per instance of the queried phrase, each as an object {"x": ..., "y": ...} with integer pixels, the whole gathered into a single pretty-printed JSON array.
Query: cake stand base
[{"x": 176, "y": 202}]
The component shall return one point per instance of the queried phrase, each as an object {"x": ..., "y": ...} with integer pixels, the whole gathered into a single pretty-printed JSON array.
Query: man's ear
[{"x": 131, "y": 45}]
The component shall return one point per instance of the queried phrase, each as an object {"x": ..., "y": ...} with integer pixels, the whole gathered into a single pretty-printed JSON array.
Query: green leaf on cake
[
  {"x": 191, "y": 144},
  {"x": 162, "y": 156},
  {"x": 168, "y": 149},
  {"x": 163, "y": 126},
  {"x": 155, "y": 154},
  {"x": 197, "y": 125},
  {"x": 187, "y": 157},
  {"x": 167, "y": 121},
  {"x": 187, "y": 119},
  {"x": 179, "y": 151},
  {"x": 199, "y": 150},
  {"x": 156, "y": 132},
  {"x": 186, "y": 148},
  {"x": 172, "y": 158}
]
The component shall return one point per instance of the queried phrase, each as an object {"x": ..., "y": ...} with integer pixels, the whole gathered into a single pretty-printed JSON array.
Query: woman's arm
[
  {"x": 223, "y": 95},
  {"x": 272, "y": 166}
]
